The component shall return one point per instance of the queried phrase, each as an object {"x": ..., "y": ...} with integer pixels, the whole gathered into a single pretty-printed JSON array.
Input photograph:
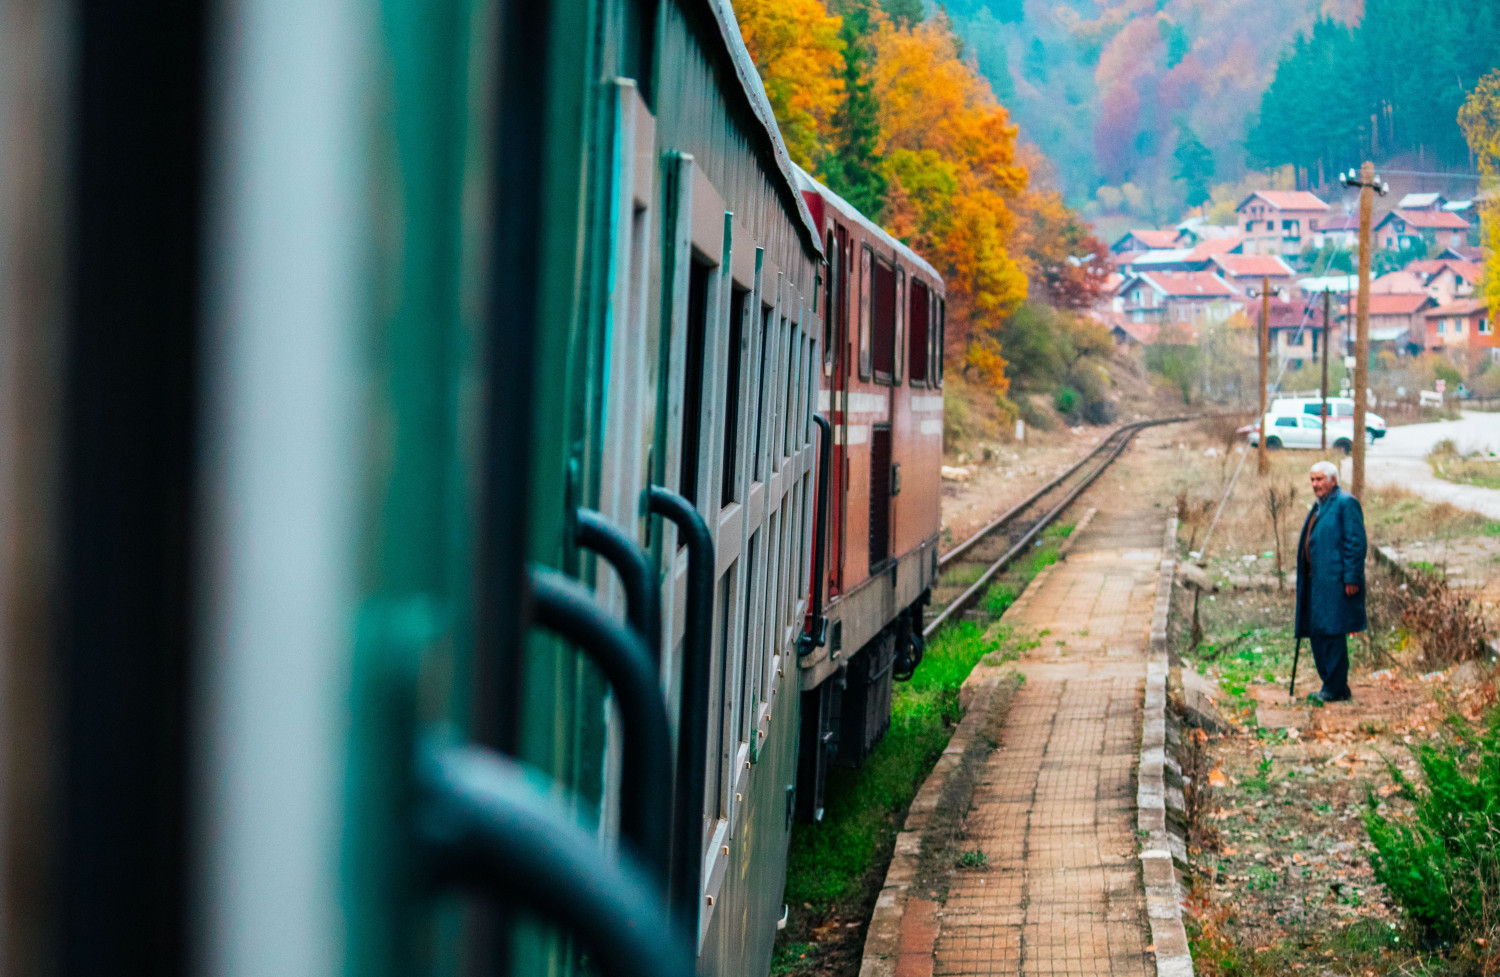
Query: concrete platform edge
[
  {"x": 1163, "y": 895},
  {"x": 884, "y": 943}
]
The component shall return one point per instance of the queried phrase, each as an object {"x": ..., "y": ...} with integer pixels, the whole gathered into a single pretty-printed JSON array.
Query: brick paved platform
[{"x": 1054, "y": 810}]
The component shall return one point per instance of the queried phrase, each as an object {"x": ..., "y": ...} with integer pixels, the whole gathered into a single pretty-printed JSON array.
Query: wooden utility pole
[
  {"x": 1265, "y": 342},
  {"x": 1362, "y": 328},
  {"x": 1323, "y": 390}
]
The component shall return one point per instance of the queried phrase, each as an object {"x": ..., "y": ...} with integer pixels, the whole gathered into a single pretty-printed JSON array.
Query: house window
[
  {"x": 1484, "y": 327},
  {"x": 1441, "y": 323}
]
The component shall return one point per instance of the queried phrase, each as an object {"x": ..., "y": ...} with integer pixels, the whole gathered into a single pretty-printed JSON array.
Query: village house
[
  {"x": 1417, "y": 228},
  {"x": 1341, "y": 232},
  {"x": 1247, "y": 271},
  {"x": 1190, "y": 298},
  {"x": 1279, "y": 221},
  {"x": 1195, "y": 231},
  {"x": 1464, "y": 324},
  {"x": 1296, "y": 331},
  {"x": 1446, "y": 279},
  {"x": 1145, "y": 240},
  {"x": 1422, "y": 201},
  {"x": 1397, "y": 319}
]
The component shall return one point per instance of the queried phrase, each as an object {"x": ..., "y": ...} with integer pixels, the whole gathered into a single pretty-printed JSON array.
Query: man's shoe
[{"x": 1338, "y": 698}]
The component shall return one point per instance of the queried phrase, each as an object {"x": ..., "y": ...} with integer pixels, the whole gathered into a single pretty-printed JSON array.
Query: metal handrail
[
  {"x": 637, "y": 576},
  {"x": 693, "y": 711},
  {"x": 562, "y": 605},
  {"x": 816, "y": 633},
  {"x": 483, "y": 825}
]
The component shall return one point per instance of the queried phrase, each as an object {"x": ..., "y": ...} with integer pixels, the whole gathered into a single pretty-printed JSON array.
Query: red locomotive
[{"x": 883, "y": 312}]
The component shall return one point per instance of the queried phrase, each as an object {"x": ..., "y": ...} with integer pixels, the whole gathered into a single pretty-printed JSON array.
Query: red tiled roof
[
  {"x": 1190, "y": 284},
  {"x": 1253, "y": 265},
  {"x": 1437, "y": 220},
  {"x": 1210, "y": 246},
  {"x": 1156, "y": 240},
  {"x": 1471, "y": 253},
  {"x": 1397, "y": 304},
  {"x": 1462, "y": 307},
  {"x": 1466, "y": 270},
  {"x": 1287, "y": 200},
  {"x": 1338, "y": 224},
  {"x": 1126, "y": 257},
  {"x": 1398, "y": 283}
]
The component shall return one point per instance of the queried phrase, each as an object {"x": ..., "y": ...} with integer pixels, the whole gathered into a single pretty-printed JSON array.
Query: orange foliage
[
  {"x": 984, "y": 359},
  {"x": 797, "y": 49},
  {"x": 1062, "y": 257},
  {"x": 951, "y": 171}
]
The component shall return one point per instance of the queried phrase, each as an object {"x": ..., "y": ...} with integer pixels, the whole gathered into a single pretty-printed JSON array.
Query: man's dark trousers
[{"x": 1331, "y": 654}]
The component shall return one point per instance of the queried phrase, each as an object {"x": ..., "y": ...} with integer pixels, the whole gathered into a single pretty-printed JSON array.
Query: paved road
[{"x": 1399, "y": 459}]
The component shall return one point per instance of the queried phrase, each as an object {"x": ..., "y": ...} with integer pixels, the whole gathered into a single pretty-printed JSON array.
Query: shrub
[
  {"x": 1066, "y": 400},
  {"x": 1442, "y": 866}
]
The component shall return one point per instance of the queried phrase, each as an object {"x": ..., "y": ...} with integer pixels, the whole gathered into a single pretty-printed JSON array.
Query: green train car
[{"x": 409, "y": 463}]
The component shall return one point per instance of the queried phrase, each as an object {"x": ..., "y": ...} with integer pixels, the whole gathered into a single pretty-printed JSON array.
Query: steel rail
[{"x": 1124, "y": 434}]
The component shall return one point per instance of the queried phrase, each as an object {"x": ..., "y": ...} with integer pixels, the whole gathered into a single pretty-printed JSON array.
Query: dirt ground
[{"x": 1282, "y": 879}]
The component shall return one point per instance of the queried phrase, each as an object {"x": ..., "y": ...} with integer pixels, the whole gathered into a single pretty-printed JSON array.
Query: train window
[
  {"x": 732, "y": 394},
  {"x": 788, "y": 400},
  {"x": 898, "y": 338},
  {"x": 725, "y": 718},
  {"x": 699, "y": 278},
  {"x": 771, "y": 612},
  {"x": 883, "y": 317},
  {"x": 638, "y": 59},
  {"x": 762, "y": 381},
  {"x": 866, "y": 261},
  {"x": 942, "y": 335},
  {"x": 916, "y": 331},
  {"x": 830, "y": 300},
  {"x": 750, "y": 673}
]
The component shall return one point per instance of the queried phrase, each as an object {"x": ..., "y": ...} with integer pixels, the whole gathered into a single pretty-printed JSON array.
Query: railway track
[{"x": 966, "y": 572}]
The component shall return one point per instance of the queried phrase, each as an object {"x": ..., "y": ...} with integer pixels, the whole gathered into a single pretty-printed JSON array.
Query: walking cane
[{"x": 1291, "y": 690}]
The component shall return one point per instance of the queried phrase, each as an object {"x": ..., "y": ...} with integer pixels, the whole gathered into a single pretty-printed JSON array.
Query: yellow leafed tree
[
  {"x": 796, "y": 47},
  {"x": 951, "y": 170},
  {"x": 1479, "y": 117}
]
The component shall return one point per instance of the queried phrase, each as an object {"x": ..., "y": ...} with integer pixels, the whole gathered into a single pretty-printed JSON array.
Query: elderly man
[{"x": 1331, "y": 580}]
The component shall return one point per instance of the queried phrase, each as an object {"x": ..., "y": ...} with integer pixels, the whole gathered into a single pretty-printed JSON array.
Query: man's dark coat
[{"x": 1335, "y": 550}]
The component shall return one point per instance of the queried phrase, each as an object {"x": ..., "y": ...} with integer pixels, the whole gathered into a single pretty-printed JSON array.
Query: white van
[
  {"x": 1304, "y": 431},
  {"x": 1339, "y": 407}
]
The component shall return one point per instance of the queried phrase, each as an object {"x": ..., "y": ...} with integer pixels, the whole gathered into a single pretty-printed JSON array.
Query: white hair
[{"x": 1326, "y": 468}]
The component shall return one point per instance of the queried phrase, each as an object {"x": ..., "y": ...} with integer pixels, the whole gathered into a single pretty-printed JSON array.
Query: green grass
[{"x": 841, "y": 860}]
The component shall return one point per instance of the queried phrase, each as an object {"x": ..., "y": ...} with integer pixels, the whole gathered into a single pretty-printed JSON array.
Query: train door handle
[
  {"x": 637, "y": 576},
  {"x": 565, "y": 608},
  {"x": 484, "y": 824},
  {"x": 896, "y": 478},
  {"x": 692, "y": 726}
]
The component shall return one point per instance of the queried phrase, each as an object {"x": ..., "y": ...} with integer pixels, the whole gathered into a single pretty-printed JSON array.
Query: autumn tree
[
  {"x": 1479, "y": 118},
  {"x": 797, "y": 48},
  {"x": 1063, "y": 259},
  {"x": 951, "y": 171}
]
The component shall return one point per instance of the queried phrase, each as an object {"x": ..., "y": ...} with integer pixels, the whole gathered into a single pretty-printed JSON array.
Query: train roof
[
  {"x": 760, "y": 107},
  {"x": 849, "y": 213}
]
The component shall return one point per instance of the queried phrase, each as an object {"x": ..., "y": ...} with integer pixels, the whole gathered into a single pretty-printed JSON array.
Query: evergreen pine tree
[
  {"x": 1195, "y": 165},
  {"x": 852, "y": 169}
]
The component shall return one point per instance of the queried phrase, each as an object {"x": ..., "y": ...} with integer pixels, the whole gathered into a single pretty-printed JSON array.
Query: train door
[
  {"x": 883, "y": 357},
  {"x": 836, "y": 362}
]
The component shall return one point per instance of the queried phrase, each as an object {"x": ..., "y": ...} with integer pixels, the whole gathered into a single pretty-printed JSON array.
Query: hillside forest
[{"x": 879, "y": 102}]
